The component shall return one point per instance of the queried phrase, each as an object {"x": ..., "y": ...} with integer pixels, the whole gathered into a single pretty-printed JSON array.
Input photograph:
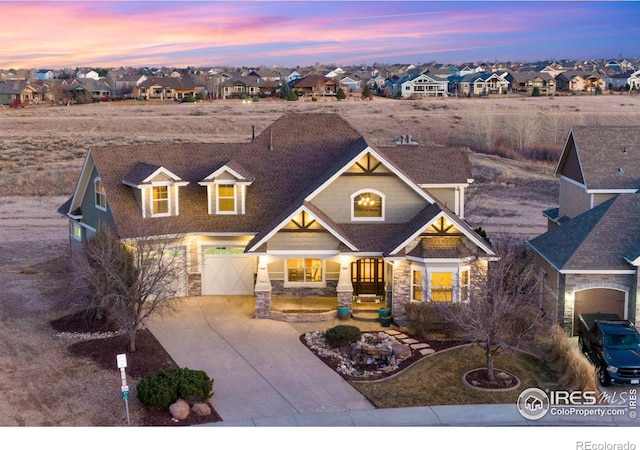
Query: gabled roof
[
  {"x": 609, "y": 157},
  {"x": 286, "y": 170},
  {"x": 597, "y": 240}
]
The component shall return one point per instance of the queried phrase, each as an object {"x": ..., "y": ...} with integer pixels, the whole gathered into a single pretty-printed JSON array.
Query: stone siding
[{"x": 329, "y": 290}]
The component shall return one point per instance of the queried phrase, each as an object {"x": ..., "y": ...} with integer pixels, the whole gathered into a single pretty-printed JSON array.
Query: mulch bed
[
  {"x": 503, "y": 380},
  {"x": 149, "y": 358}
]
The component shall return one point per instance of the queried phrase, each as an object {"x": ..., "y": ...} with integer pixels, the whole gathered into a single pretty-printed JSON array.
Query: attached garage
[
  {"x": 599, "y": 300},
  {"x": 227, "y": 270}
]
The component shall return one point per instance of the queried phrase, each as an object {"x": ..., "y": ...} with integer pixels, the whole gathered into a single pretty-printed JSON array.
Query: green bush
[
  {"x": 342, "y": 335},
  {"x": 161, "y": 389},
  {"x": 314, "y": 99}
]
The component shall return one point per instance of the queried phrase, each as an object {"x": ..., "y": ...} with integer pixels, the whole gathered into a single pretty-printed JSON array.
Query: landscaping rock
[
  {"x": 401, "y": 351},
  {"x": 180, "y": 409},
  {"x": 201, "y": 409}
]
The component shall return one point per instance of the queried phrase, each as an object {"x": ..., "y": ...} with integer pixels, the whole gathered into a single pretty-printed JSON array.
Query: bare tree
[
  {"x": 129, "y": 281},
  {"x": 481, "y": 125},
  {"x": 524, "y": 126},
  {"x": 501, "y": 311}
]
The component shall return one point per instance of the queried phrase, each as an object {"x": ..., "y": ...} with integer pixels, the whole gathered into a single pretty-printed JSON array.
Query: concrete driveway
[{"x": 259, "y": 367}]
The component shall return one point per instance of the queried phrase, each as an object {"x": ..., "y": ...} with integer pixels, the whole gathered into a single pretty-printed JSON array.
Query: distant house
[
  {"x": 588, "y": 261},
  {"x": 18, "y": 90},
  {"x": 167, "y": 88},
  {"x": 483, "y": 84},
  {"x": 316, "y": 85},
  {"x": 575, "y": 82},
  {"x": 526, "y": 82},
  {"x": 92, "y": 74},
  {"x": 244, "y": 87},
  {"x": 419, "y": 86},
  {"x": 44, "y": 74},
  {"x": 349, "y": 84}
]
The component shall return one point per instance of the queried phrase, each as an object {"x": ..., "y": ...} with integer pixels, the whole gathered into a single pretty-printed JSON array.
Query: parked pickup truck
[{"x": 613, "y": 346}]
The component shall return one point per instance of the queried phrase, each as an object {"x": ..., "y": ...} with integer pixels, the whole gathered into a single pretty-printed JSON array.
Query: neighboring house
[
  {"x": 348, "y": 84},
  {"x": 244, "y": 87},
  {"x": 580, "y": 82},
  {"x": 167, "y": 88},
  {"x": 315, "y": 85},
  {"x": 588, "y": 259},
  {"x": 634, "y": 80},
  {"x": 44, "y": 74},
  {"x": 526, "y": 82},
  {"x": 19, "y": 90},
  {"x": 483, "y": 84},
  {"x": 91, "y": 74},
  {"x": 306, "y": 208},
  {"x": 419, "y": 86}
]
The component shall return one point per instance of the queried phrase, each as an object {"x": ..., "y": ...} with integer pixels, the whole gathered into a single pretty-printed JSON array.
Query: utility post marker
[{"x": 122, "y": 364}]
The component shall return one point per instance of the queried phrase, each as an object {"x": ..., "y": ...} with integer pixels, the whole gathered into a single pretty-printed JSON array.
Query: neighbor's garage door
[
  {"x": 227, "y": 271},
  {"x": 600, "y": 300}
]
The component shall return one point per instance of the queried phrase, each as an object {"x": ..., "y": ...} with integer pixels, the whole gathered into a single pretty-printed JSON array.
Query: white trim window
[
  {"x": 367, "y": 205},
  {"x": 76, "y": 231},
  {"x": 226, "y": 198},
  {"x": 160, "y": 201},
  {"x": 417, "y": 276},
  {"x": 441, "y": 284},
  {"x": 304, "y": 271},
  {"x": 100, "y": 195}
]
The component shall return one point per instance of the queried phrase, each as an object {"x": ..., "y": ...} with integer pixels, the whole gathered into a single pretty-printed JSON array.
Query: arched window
[{"x": 367, "y": 205}]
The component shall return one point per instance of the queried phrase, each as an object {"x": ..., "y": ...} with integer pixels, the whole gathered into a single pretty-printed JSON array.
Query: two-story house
[
  {"x": 588, "y": 259},
  {"x": 419, "y": 85},
  {"x": 307, "y": 207}
]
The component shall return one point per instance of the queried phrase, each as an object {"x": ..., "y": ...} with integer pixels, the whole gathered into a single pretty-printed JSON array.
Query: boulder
[
  {"x": 201, "y": 409},
  {"x": 401, "y": 351},
  {"x": 180, "y": 409}
]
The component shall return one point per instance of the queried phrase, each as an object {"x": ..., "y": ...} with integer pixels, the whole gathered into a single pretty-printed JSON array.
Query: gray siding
[
  {"x": 91, "y": 215},
  {"x": 303, "y": 241},
  {"x": 401, "y": 202}
]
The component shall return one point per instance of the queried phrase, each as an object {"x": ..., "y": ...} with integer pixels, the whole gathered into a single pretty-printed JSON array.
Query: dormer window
[
  {"x": 160, "y": 201},
  {"x": 367, "y": 205},
  {"x": 156, "y": 189},
  {"x": 226, "y": 199},
  {"x": 227, "y": 189},
  {"x": 101, "y": 197}
]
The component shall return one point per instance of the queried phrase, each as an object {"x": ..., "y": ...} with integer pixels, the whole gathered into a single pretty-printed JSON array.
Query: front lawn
[{"x": 437, "y": 380}]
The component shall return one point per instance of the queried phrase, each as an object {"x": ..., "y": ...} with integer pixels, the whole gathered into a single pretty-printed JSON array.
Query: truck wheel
[{"x": 603, "y": 377}]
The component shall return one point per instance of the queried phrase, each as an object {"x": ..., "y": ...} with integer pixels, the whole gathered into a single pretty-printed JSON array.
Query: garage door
[
  {"x": 227, "y": 271},
  {"x": 600, "y": 300}
]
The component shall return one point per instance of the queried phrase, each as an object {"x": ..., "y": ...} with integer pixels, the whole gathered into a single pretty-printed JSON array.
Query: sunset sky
[{"x": 54, "y": 35}]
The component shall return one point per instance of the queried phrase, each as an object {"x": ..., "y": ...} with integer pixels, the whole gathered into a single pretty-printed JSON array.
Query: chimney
[{"x": 271, "y": 139}]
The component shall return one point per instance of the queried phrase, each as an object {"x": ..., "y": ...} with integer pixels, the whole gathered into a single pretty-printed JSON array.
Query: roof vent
[
  {"x": 621, "y": 170},
  {"x": 624, "y": 151},
  {"x": 405, "y": 139}
]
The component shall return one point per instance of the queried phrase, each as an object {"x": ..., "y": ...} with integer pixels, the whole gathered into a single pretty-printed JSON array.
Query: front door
[{"x": 367, "y": 276}]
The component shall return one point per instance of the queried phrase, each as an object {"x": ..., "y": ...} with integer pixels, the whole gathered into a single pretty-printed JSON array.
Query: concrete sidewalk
[{"x": 265, "y": 377}]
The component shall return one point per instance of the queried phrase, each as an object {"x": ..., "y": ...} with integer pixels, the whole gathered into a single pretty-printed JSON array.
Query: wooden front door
[{"x": 367, "y": 276}]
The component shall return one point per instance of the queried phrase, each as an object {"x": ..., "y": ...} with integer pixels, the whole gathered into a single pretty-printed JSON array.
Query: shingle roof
[
  {"x": 289, "y": 160},
  {"x": 598, "y": 239},
  {"x": 609, "y": 156}
]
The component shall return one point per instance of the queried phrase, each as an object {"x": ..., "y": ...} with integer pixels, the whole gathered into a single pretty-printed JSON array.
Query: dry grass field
[{"x": 42, "y": 149}]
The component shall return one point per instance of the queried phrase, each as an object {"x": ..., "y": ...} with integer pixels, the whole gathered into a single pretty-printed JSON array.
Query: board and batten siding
[
  {"x": 401, "y": 202},
  {"x": 91, "y": 215},
  {"x": 301, "y": 241}
]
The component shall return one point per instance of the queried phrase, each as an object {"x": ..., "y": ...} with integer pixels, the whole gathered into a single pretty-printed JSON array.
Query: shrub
[
  {"x": 314, "y": 99},
  {"x": 425, "y": 318},
  {"x": 342, "y": 335},
  {"x": 161, "y": 389},
  {"x": 563, "y": 356}
]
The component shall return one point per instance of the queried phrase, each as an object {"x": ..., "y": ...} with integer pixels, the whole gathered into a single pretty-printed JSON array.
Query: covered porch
[{"x": 310, "y": 309}]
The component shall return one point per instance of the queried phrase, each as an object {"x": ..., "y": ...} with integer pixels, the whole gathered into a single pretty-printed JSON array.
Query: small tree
[
  {"x": 340, "y": 95},
  {"x": 128, "y": 281},
  {"x": 366, "y": 92},
  {"x": 535, "y": 92},
  {"x": 501, "y": 311}
]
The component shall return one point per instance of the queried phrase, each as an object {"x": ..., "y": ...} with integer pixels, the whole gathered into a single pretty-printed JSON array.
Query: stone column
[
  {"x": 344, "y": 289},
  {"x": 263, "y": 291}
]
